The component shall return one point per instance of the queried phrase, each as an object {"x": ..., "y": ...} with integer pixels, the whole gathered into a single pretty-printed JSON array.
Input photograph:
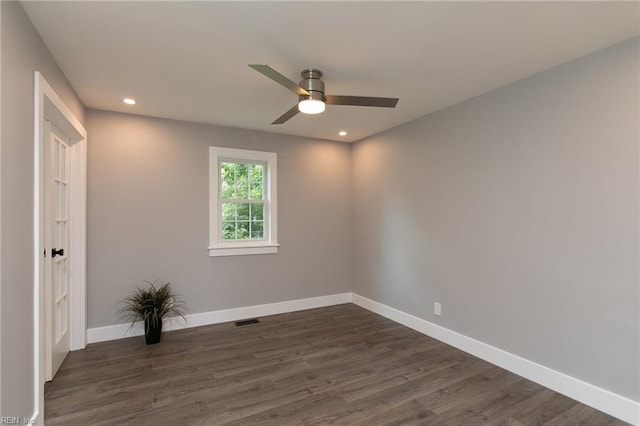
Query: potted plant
[{"x": 151, "y": 305}]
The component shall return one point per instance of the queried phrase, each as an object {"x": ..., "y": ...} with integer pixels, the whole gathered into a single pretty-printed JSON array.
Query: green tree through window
[{"x": 242, "y": 198}]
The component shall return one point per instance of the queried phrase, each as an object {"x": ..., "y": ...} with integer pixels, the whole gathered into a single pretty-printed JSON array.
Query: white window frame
[{"x": 268, "y": 245}]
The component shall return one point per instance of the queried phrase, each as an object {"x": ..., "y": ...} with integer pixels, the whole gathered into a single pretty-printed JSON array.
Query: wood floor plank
[
  {"x": 294, "y": 413},
  {"x": 336, "y": 365},
  {"x": 410, "y": 413},
  {"x": 580, "y": 414}
]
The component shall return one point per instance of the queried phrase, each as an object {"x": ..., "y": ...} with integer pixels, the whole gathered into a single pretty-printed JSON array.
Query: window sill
[{"x": 243, "y": 250}]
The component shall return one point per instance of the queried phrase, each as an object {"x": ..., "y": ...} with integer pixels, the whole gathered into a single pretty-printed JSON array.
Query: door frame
[{"x": 48, "y": 106}]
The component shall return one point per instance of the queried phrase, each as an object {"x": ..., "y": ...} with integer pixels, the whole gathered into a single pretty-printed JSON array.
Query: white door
[{"x": 57, "y": 249}]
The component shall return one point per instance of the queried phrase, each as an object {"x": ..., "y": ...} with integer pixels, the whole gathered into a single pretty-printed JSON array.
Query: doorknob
[{"x": 57, "y": 252}]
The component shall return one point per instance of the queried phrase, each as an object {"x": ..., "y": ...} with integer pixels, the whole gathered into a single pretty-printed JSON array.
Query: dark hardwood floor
[{"x": 335, "y": 365}]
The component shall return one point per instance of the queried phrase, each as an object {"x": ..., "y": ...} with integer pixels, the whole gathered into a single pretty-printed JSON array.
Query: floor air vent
[{"x": 247, "y": 322}]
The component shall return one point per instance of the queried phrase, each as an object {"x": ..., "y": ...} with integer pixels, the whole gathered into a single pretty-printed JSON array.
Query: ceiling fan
[{"x": 311, "y": 97}]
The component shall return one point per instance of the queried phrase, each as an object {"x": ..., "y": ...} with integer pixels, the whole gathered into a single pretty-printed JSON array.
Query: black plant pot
[{"x": 152, "y": 332}]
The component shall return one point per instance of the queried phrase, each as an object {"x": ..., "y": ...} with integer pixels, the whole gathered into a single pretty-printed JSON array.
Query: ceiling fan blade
[
  {"x": 361, "y": 101},
  {"x": 274, "y": 75},
  {"x": 287, "y": 115}
]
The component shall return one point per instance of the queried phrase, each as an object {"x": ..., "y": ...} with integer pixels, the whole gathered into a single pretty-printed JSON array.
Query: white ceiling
[{"x": 188, "y": 60}]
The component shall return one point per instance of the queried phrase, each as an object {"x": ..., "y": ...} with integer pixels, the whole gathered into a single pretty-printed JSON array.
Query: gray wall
[
  {"x": 23, "y": 52},
  {"x": 518, "y": 211},
  {"x": 148, "y": 216}
]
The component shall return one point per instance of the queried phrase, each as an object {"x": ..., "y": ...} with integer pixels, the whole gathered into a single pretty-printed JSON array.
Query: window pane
[
  {"x": 257, "y": 172},
  {"x": 241, "y": 172},
  {"x": 256, "y": 191},
  {"x": 257, "y": 230},
  {"x": 227, "y": 172},
  {"x": 257, "y": 181},
  {"x": 242, "y": 230},
  {"x": 243, "y": 211},
  {"x": 227, "y": 189},
  {"x": 257, "y": 211},
  {"x": 242, "y": 189},
  {"x": 228, "y": 230},
  {"x": 228, "y": 211}
]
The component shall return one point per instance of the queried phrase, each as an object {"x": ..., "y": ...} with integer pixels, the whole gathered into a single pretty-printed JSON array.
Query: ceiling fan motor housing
[{"x": 312, "y": 83}]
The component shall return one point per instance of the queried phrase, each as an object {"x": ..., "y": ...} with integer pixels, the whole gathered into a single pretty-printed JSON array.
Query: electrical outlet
[{"x": 437, "y": 308}]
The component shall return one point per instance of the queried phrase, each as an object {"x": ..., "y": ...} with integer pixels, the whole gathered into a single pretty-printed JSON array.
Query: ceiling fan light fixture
[{"x": 311, "y": 106}]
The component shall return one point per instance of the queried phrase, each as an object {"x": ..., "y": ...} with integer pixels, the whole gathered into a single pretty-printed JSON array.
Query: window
[{"x": 242, "y": 198}]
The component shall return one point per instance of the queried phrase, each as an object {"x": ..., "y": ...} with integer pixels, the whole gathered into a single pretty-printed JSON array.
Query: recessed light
[
  {"x": 342, "y": 133},
  {"x": 129, "y": 101}
]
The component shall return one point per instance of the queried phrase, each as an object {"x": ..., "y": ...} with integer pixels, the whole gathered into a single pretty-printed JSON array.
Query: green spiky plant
[{"x": 150, "y": 305}]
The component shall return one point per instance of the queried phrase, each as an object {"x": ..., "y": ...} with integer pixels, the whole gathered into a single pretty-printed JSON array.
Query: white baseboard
[
  {"x": 119, "y": 331},
  {"x": 613, "y": 404}
]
